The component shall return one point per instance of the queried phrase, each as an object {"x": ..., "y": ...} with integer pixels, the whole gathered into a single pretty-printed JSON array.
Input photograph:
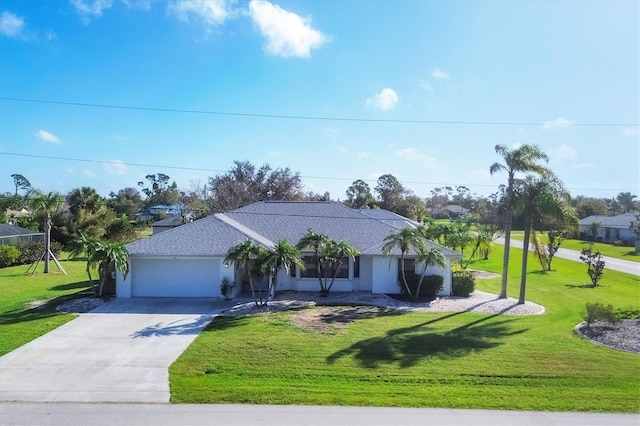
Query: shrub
[
  {"x": 32, "y": 252},
  {"x": 8, "y": 255},
  {"x": 463, "y": 282},
  {"x": 627, "y": 313},
  {"x": 597, "y": 311},
  {"x": 431, "y": 285},
  {"x": 595, "y": 265}
]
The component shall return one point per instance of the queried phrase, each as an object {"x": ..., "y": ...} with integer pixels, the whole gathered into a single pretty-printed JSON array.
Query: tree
[
  {"x": 316, "y": 242},
  {"x": 429, "y": 257},
  {"x": 270, "y": 262},
  {"x": 244, "y": 257},
  {"x": 555, "y": 240},
  {"x": 47, "y": 204},
  {"x": 21, "y": 183},
  {"x": 359, "y": 195},
  {"x": 523, "y": 159},
  {"x": 331, "y": 256},
  {"x": 587, "y": 206},
  {"x": 108, "y": 256},
  {"x": 390, "y": 192},
  {"x": 459, "y": 236},
  {"x": 483, "y": 246},
  {"x": 84, "y": 198},
  {"x": 159, "y": 191},
  {"x": 406, "y": 239},
  {"x": 244, "y": 184},
  {"x": 626, "y": 202},
  {"x": 595, "y": 265},
  {"x": 126, "y": 201},
  {"x": 538, "y": 197}
]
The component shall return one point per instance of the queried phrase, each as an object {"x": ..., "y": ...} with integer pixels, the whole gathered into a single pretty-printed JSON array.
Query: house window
[
  {"x": 356, "y": 267},
  {"x": 312, "y": 272}
]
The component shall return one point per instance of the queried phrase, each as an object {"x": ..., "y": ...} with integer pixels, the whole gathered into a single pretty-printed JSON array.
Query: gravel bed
[
  {"x": 623, "y": 335},
  {"x": 80, "y": 306}
]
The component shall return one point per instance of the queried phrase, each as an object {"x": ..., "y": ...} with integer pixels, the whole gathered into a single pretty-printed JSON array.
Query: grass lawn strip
[{"x": 462, "y": 360}]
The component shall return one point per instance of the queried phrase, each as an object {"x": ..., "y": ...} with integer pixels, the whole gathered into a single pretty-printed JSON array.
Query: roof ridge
[{"x": 245, "y": 230}]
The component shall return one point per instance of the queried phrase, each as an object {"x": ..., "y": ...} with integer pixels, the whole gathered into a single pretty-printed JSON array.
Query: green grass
[
  {"x": 461, "y": 360},
  {"x": 19, "y": 324},
  {"x": 618, "y": 252}
]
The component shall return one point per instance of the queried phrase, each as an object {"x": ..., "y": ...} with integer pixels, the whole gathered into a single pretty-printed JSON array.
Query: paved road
[
  {"x": 120, "y": 352},
  {"x": 612, "y": 263},
  {"x": 269, "y": 415}
]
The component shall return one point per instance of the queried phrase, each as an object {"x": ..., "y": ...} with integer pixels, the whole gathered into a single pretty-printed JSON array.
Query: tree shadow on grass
[
  {"x": 407, "y": 346},
  {"x": 71, "y": 286},
  {"x": 45, "y": 310},
  {"x": 584, "y": 286}
]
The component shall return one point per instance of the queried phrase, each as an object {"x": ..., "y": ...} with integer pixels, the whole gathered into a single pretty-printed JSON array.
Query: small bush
[
  {"x": 8, "y": 255},
  {"x": 463, "y": 282},
  {"x": 32, "y": 252},
  {"x": 431, "y": 285},
  {"x": 627, "y": 313},
  {"x": 598, "y": 312}
]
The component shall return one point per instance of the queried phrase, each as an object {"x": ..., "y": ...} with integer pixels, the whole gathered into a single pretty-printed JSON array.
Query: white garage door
[{"x": 175, "y": 277}]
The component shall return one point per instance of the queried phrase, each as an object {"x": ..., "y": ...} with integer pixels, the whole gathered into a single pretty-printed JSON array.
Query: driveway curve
[{"x": 119, "y": 352}]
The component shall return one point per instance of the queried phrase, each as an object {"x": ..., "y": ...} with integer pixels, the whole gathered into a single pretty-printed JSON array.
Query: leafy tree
[
  {"x": 316, "y": 242},
  {"x": 244, "y": 257},
  {"x": 523, "y": 159},
  {"x": 108, "y": 256},
  {"x": 21, "y": 183},
  {"x": 406, "y": 239},
  {"x": 429, "y": 257},
  {"x": 159, "y": 190},
  {"x": 538, "y": 197},
  {"x": 595, "y": 265},
  {"x": 126, "y": 201},
  {"x": 627, "y": 202},
  {"x": 244, "y": 184},
  {"x": 332, "y": 255},
  {"x": 270, "y": 262},
  {"x": 46, "y": 204},
  {"x": 482, "y": 247},
  {"x": 359, "y": 195},
  {"x": 390, "y": 192},
  {"x": 84, "y": 198},
  {"x": 555, "y": 240},
  {"x": 459, "y": 236},
  {"x": 587, "y": 206}
]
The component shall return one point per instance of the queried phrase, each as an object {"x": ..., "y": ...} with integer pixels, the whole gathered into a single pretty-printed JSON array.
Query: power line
[
  {"x": 346, "y": 179},
  {"x": 307, "y": 117}
]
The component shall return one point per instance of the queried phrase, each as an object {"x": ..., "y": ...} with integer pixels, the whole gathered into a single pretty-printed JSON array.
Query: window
[
  {"x": 312, "y": 272},
  {"x": 356, "y": 267}
]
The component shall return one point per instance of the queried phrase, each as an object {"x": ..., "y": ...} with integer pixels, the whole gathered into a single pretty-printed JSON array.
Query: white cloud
[
  {"x": 11, "y": 25},
  {"x": 341, "y": 149},
  {"x": 287, "y": 34},
  {"x": 210, "y": 12},
  {"x": 559, "y": 122},
  {"x": 438, "y": 74},
  {"x": 425, "y": 85},
  {"x": 585, "y": 166},
  {"x": 413, "y": 155},
  {"x": 89, "y": 173},
  {"x": 631, "y": 133},
  {"x": 115, "y": 167},
  {"x": 385, "y": 100},
  {"x": 43, "y": 135},
  {"x": 562, "y": 153},
  {"x": 91, "y": 9}
]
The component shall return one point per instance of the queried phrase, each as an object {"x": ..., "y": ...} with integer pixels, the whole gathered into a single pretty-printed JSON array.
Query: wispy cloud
[
  {"x": 631, "y": 133},
  {"x": 426, "y": 86},
  {"x": 43, "y": 135},
  {"x": 413, "y": 155},
  {"x": 209, "y": 12},
  {"x": 89, "y": 173},
  {"x": 11, "y": 25},
  {"x": 91, "y": 9},
  {"x": 562, "y": 153},
  {"x": 438, "y": 74},
  {"x": 287, "y": 34},
  {"x": 559, "y": 122},
  {"x": 115, "y": 167},
  {"x": 584, "y": 166},
  {"x": 385, "y": 100},
  {"x": 340, "y": 148}
]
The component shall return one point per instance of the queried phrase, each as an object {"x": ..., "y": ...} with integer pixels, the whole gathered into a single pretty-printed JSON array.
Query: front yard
[{"x": 386, "y": 358}]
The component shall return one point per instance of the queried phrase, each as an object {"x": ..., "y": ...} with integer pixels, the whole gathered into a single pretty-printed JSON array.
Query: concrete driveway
[{"x": 119, "y": 352}]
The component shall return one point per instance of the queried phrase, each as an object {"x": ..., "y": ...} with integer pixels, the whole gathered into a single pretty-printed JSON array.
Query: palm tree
[
  {"x": 332, "y": 255},
  {"x": 521, "y": 159},
  {"x": 282, "y": 256},
  {"x": 85, "y": 198},
  {"x": 538, "y": 197},
  {"x": 243, "y": 256},
  {"x": 428, "y": 257},
  {"x": 108, "y": 256},
  {"x": 406, "y": 239},
  {"x": 483, "y": 246},
  {"x": 47, "y": 204},
  {"x": 316, "y": 242}
]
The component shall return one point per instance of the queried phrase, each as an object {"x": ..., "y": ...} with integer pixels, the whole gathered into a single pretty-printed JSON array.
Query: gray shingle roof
[
  {"x": 620, "y": 221},
  {"x": 272, "y": 221}
]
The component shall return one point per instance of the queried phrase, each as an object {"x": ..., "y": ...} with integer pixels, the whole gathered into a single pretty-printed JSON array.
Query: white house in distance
[
  {"x": 610, "y": 229},
  {"x": 188, "y": 260}
]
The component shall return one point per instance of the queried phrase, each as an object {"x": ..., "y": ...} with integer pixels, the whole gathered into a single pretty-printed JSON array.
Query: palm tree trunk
[
  {"x": 47, "y": 243},
  {"x": 404, "y": 277},
  {"x": 525, "y": 258}
]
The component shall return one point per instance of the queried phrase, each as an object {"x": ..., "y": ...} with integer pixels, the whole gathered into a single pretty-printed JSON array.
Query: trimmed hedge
[
  {"x": 8, "y": 255},
  {"x": 431, "y": 285},
  {"x": 463, "y": 282}
]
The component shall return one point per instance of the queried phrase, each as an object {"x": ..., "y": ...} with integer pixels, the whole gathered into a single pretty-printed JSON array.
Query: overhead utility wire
[
  {"x": 307, "y": 117},
  {"x": 200, "y": 169}
]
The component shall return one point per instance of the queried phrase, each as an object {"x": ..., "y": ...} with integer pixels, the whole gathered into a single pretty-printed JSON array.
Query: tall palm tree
[
  {"x": 538, "y": 197},
  {"x": 282, "y": 256},
  {"x": 244, "y": 256},
  {"x": 108, "y": 256},
  {"x": 84, "y": 198},
  {"x": 429, "y": 257},
  {"x": 406, "y": 239},
  {"x": 332, "y": 255},
  {"x": 315, "y": 241},
  {"x": 47, "y": 204},
  {"x": 523, "y": 159}
]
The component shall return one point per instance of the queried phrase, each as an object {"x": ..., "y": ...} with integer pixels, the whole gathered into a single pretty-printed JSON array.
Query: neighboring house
[
  {"x": 161, "y": 211},
  {"x": 13, "y": 235},
  {"x": 610, "y": 229},
  {"x": 166, "y": 224},
  {"x": 451, "y": 211},
  {"x": 188, "y": 261}
]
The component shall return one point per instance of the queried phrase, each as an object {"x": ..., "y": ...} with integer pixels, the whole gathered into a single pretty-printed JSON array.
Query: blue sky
[{"x": 568, "y": 72}]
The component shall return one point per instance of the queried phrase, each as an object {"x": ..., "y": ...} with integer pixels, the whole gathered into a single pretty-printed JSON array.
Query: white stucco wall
[{"x": 384, "y": 275}]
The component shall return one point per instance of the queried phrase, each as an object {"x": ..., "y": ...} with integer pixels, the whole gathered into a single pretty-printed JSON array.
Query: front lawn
[
  {"x": 461, "y": 360},
  {"x": 24, "y": 311}
]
